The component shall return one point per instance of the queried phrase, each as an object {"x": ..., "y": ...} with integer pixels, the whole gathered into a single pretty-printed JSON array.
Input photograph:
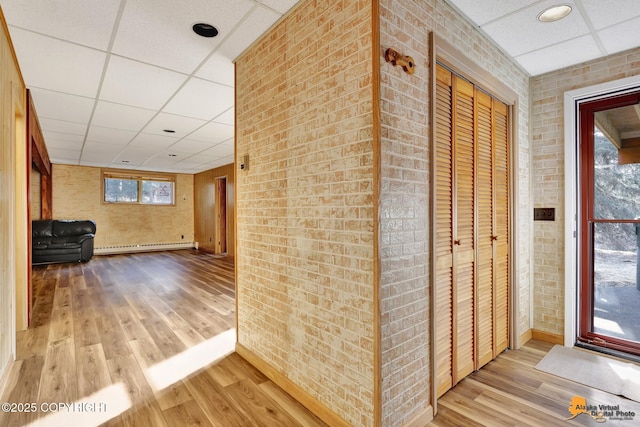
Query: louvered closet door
[
  {"x": 484, "y": 301},
  {"x": 501, "y": 227},
  {"x": 443, "y": 233},
  {"x": 463, "y": 226},
  {"x": 471, "y": 197}
]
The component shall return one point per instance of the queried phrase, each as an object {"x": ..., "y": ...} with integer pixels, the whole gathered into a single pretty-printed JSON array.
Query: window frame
[{"x": 138, "y": 176}]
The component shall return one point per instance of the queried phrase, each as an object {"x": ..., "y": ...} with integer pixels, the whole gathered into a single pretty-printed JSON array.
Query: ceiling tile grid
[
  {"x": 110, "y": 77},
  {"x": 593, "y": 29}
]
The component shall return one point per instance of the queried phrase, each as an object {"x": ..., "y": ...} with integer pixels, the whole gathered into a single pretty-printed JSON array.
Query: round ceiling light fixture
[
  {"x": 205, "y": 30},
  {"x": 554, "y": 13}
]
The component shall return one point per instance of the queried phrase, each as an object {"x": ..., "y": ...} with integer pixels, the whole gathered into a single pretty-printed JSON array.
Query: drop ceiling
[
  {"x": 108, "y": 77},
  {"x": 593, "y": 29}
]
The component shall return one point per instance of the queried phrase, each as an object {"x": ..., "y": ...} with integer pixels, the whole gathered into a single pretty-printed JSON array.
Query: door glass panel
[
  {"x": 616, "y": 186},
  {"x": 616, "y": 299}
]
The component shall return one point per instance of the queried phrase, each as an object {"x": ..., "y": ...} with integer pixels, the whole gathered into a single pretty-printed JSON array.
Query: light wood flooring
[
  {"x": 121, "y": 336},
  {"x": 510, "y": 392},
  {"x": 109, "y": 331}
]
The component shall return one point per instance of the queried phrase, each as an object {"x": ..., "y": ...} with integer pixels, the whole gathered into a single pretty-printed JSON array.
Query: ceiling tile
[
  {"x": 63, "y": 144},
  {"x": 485, "y": 11},
  {"x": 228, "y": 117},
  {"x": 201, "y": 99},
  {"x": 104, "y": 149},
  {"x": 59, "y": 155},
  {"x": 166, "y": 158},
  {"x": 560, "y": 55},
  {"x": 95, "y": 164},
  {"x": 134, "y": 156},
  {"x": 160, "y": 33},
  {"x": 157, "y": 142},
  {"x": 181, "y": 125},
  {"x": 88, "y": 23},
  {"x": 105, "y": 135},
  {"x": 139, "y": 85},
  {"x": 521, "y": 32},
  {"x": 61, "y": 136},
  {"x": 255, "y": 25},
  {"x": 219, "y": 150},
  {"x": 119, "y": 116},
  {"x": 52, "y": 125},
  {"x": 77, "y": 109},
  {"x": 281, "y": 6},
  {"x": 102, "y": 159},
  {"x": 212, "y": 133},
  {"x": 218, "y": 69},
  {"x": 221, "y": 162},
  {"x": 190, "y": 146},
  {"x": 203, "y": 158},
  {"x": 58, "y": 65},
  {"x": 604, "y": 13},
  {"x": 621, "y": 37}
]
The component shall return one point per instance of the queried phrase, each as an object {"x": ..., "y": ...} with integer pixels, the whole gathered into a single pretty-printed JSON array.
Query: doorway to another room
[{"x": 220, "y": 215}]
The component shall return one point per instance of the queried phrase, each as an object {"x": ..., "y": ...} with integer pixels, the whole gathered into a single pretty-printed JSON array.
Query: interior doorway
[{"x": 220, "y": 215}]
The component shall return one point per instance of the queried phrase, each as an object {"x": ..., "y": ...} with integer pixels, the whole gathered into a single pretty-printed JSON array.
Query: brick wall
[
  {"x": 306, "y": 206},
  {"x": 405, "y": 197},
  {"x": 305, "y": 213},
  {"x": 77, "y": 194},
  {"x": 547, "y": 123}
]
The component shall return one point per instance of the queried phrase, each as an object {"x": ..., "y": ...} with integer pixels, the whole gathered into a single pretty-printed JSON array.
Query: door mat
[{"x": 601, "y": 372}]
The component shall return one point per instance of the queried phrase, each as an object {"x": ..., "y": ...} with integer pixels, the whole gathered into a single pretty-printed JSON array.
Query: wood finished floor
[
  {"x": 99, "y": 329},
  {"x": 510, "y": 392},
  {"x": 107, "y": 331}
]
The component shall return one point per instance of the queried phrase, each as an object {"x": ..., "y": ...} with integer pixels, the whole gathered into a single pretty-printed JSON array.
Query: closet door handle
[
  {"x": 456, "y": 242},
  {"x": 494, "y": 238}
]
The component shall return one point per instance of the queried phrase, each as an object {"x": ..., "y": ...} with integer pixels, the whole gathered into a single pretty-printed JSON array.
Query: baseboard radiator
[{"x": 146, "y": 247}]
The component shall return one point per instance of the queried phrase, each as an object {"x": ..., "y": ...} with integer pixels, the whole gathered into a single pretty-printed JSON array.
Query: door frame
[
  {"x": 572, "y": 101},
  {"x": 217, "y": 200}
]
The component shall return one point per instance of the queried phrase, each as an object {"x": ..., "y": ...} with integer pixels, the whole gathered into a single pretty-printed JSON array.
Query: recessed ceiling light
[
  {"x": 205, "y": 30},
  {"x": 168, "y": 130},
  {"x": 554, "y": 13}
]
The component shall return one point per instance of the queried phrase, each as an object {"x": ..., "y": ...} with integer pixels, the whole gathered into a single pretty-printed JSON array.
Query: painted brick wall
[
  {"x": 547, "y": 123},
  {"x": 305, "y": 213},
  {"x": 404, "y": 200},
  {"x": 77, "y": 194}
]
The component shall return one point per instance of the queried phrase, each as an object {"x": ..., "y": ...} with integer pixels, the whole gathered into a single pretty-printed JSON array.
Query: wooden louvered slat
[
  {"x": 444, "y": 233},
  {"x": 484, "y": 176},
  {"x": 464, "y": 226},
  {"x": 501, "y": 195}
]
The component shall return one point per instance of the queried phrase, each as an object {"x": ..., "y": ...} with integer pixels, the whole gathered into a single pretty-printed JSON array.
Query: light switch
[{"x": 544, "y": 214}]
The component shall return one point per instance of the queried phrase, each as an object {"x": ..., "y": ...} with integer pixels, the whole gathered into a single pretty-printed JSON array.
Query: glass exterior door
[{"x": 610, "y": 223}]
